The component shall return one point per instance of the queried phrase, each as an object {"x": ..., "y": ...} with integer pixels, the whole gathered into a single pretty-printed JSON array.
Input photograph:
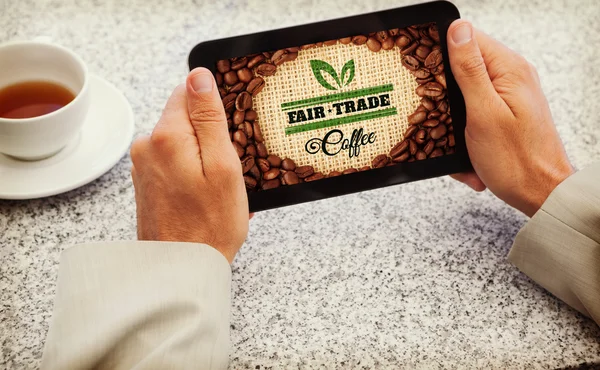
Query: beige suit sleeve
[
  {"x": 559, "y": 247},
  {"x": 140, "y": 305}
]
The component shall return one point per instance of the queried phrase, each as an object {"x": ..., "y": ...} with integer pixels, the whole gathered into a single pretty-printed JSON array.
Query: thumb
[
  {"x": 467, "y": 63},
  {"x": 207, "y": 114}
]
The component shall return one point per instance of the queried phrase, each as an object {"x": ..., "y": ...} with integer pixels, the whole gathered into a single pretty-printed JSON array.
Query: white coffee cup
[{"x": 43, "y": 136}]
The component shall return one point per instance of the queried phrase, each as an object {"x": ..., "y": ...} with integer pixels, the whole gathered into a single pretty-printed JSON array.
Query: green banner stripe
[
  {"x": 341, "y": 121},
  {"x": 335, "y": 97}
]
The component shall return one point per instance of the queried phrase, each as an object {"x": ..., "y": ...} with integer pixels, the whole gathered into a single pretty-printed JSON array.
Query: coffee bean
[
  {"x": 271, "y": 174},
  {"x": 441, "y": 142},
  {"x": 359, "y": 40},
  {"x": 411, "y": 62},
  {"x": 449, "y": 121},
  {"x": 257, "y": 132},
  {"x": 433, "y": 33},
  {"x": 255, "y": 172},
  {"x": 251, "y": 150},
  {"x": 250, "y": 115},
  {"x": 420, "y": 90},
  {"x": 442, "y": 106},
  {"x": 408, "y": 49},
  {"x": 411, "y": 131},
  {"x": 330, "y": 42},
  {"x": 380, "y": 161},
  {"x": 304, "y": 171},
  {"x": 450, "y": 150},
  {"x": 351, "y": 170},
  {"x": 428, "y": 104},
  {"x": 417, "y": 117},
  {"x": 443, "y": 117},
  {"x": 420, "y": 136},
  {"x": 256, "y": 61},
  {"x": 399, "y": 148},
  {"x": 249, "y": 182},
  {"x": 316, "y": 176},
  {"x": 346, "y": 40},
  {"x": 229, "y": 101},
  {"x": 266, "y": 69},
  {"x": 247, "y": 128},
  {"x": 394, "y": 31},
  {"x": 421, "y": 108},
  {"x": 238, "y": 149},
  {"x": 413, "y": 31},
  {"x": 429, "y": 147},
  {"x": 420, "y": 155},
  {"x": 274, "y": 160},
  {"x": 439, "y": 97},
  {"x": 319, "y": 44},
  {"x": 219, "y": 78},
  {"x": 278, "y": 57},
  {"x": 230, "y": 78},
  {"x": 334, "y": 174},
  {"x": 421, "y": 73},
  {"x": 238, "y": 117},
  {"x": 412, "y": 147},
  {"x": 401, "y": 158},
  {"x": 373, "y": 44},
  {"x": 402, "y": 42},
  {"x": 245, "y": 75},
  {"x": 247, "y": 163},
  {"x": 293, "y": 49},
  {"x": 431, "y": 123},
  {"x": 271, "y": 184},
  {"x": 222, "y": 92},
  {"x": 243, "y": 101},
  {"x": 433, "y": 89},
  {"x": 426, "y": 41},
  {"x": 451, "y": 142},
  {"x": 422, "y": 51},
  {"x": 307, "y": 46},
  {"x": 437, "y": 152},
  {"x": 261, "y": 150},
  {"x": 381, "y": 36},
  {"x": 223, "y": 66},
  {"x": 434, "y": 59},
  {"x": 441, "y": 79},
  {"x": 434, "y": 114},
  {"x": 388, "y": 44},
  {"x": 404, "y": 32},
  {"x": 288, "y": 164},
  {"x": 422, "y": 81},
  {"x": 365, "y": 168},
  {"x": 237, "y": 87},
  {"x": 438, "y": 69},
  {"x": 239, "y": 63},
  {"x": 290, "y": 178},
  {"x": 438, "y": 132},
  {"x": 255, "y": 86},
  {"x": 240, "y": 137}
]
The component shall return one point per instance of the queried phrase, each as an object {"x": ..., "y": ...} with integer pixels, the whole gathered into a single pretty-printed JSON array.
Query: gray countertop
[{"x": 408, "y": 276}]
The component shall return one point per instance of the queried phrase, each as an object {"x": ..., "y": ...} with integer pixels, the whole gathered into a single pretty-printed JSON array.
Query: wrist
[{"x": 542, "y": 183}]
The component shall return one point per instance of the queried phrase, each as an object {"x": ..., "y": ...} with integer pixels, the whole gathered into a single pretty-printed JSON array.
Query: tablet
[{"x": 341, "y": 106}]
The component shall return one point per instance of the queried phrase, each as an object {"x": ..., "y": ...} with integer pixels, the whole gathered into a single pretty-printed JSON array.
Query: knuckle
[
  {"x": 473, "y": 67},
  {"x": 207, "y": 113},
  {"x": 161, "y": 141},
  {"x": 137, "y": 149}
]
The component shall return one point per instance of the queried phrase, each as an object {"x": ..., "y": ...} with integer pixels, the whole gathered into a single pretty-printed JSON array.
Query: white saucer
[{"x": 101, "y": 143}]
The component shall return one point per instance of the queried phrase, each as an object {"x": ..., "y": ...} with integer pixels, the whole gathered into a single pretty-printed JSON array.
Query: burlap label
[{"x": 296, "y": 81}]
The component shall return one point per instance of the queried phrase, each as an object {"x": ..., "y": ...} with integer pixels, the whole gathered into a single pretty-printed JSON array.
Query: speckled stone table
[{"x": 411, "y": 276}]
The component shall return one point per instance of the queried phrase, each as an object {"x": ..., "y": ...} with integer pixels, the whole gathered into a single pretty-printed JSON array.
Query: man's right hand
[{"x": 512, "y": 142}]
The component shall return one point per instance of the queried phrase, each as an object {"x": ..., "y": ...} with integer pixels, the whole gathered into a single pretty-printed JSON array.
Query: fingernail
[
  {"x": 202, "y": 82},
  {"x": 462, "y": 34}
]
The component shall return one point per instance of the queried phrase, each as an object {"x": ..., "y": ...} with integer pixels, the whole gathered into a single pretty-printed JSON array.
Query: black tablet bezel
[{"x": 206, "y": 54}]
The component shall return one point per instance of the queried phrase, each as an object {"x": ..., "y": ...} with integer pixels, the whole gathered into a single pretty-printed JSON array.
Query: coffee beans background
[{"x": 430, "y": 133}]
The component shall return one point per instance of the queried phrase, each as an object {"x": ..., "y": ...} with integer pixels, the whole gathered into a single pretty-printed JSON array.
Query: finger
[
  {"x": 206, "y": 113},
  {"x": 470, "y": 179},
  {"x": 175, "y": 117},
  {"x": 467, "y": 63}
]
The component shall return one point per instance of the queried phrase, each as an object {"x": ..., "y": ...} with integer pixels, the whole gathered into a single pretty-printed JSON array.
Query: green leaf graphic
[
  {"x": 348, "y": 67},
  {"x": 318, "y": 67}
]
